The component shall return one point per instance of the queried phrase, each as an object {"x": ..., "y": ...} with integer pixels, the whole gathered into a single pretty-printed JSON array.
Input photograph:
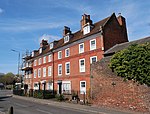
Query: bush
[
  {"x": 59, "y": 97},
  {"x": 133, "y": 63}
]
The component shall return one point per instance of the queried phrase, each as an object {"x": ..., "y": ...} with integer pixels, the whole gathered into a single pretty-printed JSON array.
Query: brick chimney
[
  {"x": 66, "y": 30},
  {"x": 43, "y": 43},
  {"x": 122, "y": 22},
  {"x": 85, "y": 19}
]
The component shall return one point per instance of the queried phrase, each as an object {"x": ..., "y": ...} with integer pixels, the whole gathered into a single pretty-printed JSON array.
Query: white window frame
[
  {"x": 44, "y": 71},
  {"x": 86, "y": 29},
  {"x": 81, "y": 68},
  {"x": 68, "y": 91},
  {"x": 50, "y": 58},
  {"x": 40, "y": 50},
  {"x": 66, "y": 52},
  {"x": 66, "y": 68},
  {"x": 51, "y": 45},
  {"x": 82, "y": 92},
  {"x": 49, "y": 87},
  {"x": 35, "y": 73},
  {"x": 81, "y": 50},
  {"x": 59, "y": 74},
  {"x": 92, "y": 47},
  {"x": 44, "y": 59},
  {"x": 92, "y": 58},
  {"x": 59, "y": 54},
  {"x": 39, "y": 72},
  {"x": 50, "y": 71},
  {"x": 40, "y": 61},
  {"x": 66, "y": 38},
  {"x": 35, "y": 62}
]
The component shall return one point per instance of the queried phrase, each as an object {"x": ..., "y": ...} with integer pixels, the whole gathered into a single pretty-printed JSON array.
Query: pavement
[{"x": 91, "y": 109}]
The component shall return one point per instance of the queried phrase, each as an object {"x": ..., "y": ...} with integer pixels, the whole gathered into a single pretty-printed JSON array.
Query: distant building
[
  {"x": 2, "y": 86},
  {"x": 64, "y": 65}
]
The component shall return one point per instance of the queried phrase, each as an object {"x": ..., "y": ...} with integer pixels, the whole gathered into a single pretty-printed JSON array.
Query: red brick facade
[{"x": 95, "y": 39}]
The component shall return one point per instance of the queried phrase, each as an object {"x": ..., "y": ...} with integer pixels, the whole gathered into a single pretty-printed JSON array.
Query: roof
[
  {"x": 122, "y": 46},
  {"x": 79, "y": 34},
  {"x": 76, "y": 36}
]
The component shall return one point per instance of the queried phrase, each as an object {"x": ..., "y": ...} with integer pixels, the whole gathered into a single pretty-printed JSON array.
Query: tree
[
  {"x": 133, "y": 63},
  {"x": 8, "y": 78}
]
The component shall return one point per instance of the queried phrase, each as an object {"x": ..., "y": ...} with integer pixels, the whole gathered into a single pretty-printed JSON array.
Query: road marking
[{"x": 43, "y": 111}]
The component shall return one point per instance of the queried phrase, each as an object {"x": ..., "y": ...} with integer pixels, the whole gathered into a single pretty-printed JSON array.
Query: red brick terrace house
[{"x": 64, "y": 65}]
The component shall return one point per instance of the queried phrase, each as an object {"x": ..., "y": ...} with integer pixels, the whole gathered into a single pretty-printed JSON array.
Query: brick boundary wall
[{"x": 112, "y": 91}]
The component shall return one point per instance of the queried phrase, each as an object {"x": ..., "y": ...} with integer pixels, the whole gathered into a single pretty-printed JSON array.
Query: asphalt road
[
  {"x": 24, "y": 105},
  {"x": 21, "y": 106}
]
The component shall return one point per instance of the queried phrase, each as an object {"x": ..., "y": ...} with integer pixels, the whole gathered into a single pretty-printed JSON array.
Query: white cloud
[
  {"x": 48, "y": 37},
  {"x": 1, "y": 10}
]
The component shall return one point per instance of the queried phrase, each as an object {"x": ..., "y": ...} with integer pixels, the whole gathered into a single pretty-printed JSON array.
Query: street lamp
[{"x": 18, "y": 61}]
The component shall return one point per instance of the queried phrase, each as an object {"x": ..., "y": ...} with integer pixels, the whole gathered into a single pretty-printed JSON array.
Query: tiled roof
[
  {"x": 79, "y": 34},
  {"x": 122, "y": 46},
  {"x": 76, "y": 36}
]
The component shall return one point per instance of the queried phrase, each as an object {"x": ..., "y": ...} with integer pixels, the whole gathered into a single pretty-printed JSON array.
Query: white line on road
[{"x": 43, "y": 111}]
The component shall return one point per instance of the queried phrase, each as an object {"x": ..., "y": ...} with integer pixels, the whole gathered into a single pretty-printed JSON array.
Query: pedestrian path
[{"x": 92, "y": 109}]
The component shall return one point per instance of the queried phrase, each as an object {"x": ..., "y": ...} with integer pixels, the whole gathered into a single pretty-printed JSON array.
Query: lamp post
[{"x": 18, "y": 61}]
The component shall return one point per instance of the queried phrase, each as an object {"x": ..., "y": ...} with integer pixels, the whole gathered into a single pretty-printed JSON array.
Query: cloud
[
  {"x": 19, "y": 25},
  {"x": 49, "y": 38},
  {"x": 1, "y": 10}
]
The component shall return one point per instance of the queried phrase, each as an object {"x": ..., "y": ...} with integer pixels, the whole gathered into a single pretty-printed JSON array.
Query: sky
[{"x": 23, "y": 23}]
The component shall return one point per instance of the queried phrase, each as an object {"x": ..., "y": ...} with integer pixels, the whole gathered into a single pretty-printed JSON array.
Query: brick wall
[{"x": 111, "y": 91}]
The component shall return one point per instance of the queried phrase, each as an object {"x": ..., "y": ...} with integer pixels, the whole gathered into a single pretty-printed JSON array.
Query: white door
[{"x": 82, "y": 87}]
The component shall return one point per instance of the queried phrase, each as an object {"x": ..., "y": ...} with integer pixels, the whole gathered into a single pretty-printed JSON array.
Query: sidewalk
[{"x": 91, "y": 109}]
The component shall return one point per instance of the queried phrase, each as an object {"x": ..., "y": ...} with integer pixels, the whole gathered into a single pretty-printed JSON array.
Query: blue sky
[{"x": 23, "y": 23}]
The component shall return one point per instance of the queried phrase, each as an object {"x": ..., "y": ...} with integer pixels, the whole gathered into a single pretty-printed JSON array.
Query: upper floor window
[
  {"x": 44, "y": 72},
  {"x": 40, "y": 61},
  {"x": 82, "y": 65},
  {"x": 93, "y": 59},
  {"x": 59, "y": 54},
  {"x": 67, "y": 68},
  {"x": 66, "y": 38},
  {"x": 35, "y": 73},
  {"x": 39, "y": 72},
  {"x": 81, "y": 48},
  {"x": 67, "y": 52},
  {"x": 44, "y": 59},
  {"x": 59, "y": 69},
  {"x": 50, "y": 58},
  {"x": 49, "y": 70},
  {"x": 51, "y": 45},
  {"x": 93, "y": 44},
  {"x": 35, "y": 62},
  {"x": 86, "y": 29}
]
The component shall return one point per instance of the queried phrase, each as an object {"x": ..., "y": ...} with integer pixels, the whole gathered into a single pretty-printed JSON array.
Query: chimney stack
[
  {"x": 85, "y": 19},
  {"x": 43, "y": 43},
  {"x": 66, "y": 30}
]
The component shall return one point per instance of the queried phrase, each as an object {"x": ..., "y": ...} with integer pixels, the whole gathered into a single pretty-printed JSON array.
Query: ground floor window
[
  {"x": 36, "y": 86},
  {"x": 82, "y": 87},
  {"x": 49, "y": 86},
  {"x": 66, "y": 87}
]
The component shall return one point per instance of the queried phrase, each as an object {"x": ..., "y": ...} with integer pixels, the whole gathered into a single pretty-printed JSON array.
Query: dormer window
[
  {"x": 32, "y": 54},
  {"x": 40, "y": 51},
  {"x": 66, "y": 38},
  {"x": 51, "y": 45},
  {"x": 86, "y": 29}
]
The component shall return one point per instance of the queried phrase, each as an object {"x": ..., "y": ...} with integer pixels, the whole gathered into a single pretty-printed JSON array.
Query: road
[{"x": 22, "y": 106}]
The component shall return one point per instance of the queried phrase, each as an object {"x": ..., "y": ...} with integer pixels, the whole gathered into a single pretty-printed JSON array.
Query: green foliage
[
  {"x": 8, "y": 79},
  {"x": 59, "y": 97},
  {"x": 133, "y": 63}
]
